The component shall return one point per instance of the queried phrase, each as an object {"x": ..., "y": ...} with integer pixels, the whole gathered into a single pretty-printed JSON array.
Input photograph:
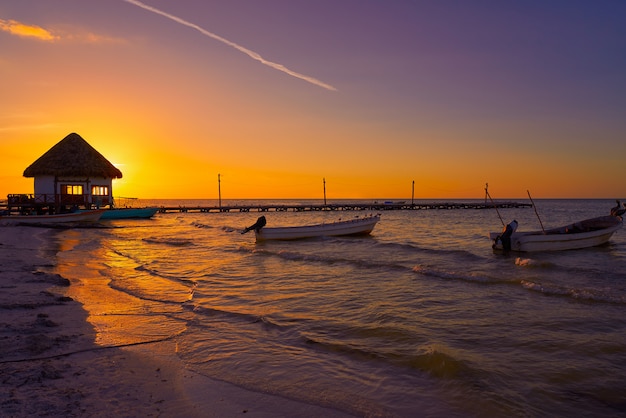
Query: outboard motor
[
  {"x": 616, "y": 209},
  {"x": 505, "y": 237},
  {"x": 260, "y": 223}
]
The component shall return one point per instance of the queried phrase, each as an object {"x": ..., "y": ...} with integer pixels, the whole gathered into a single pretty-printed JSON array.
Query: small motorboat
[
  {"x": 129, "y": 213},
  {"x": 59, "y": 218},
  {"x": 584, "y": 234},
  {"x": 356, "y": 226}
]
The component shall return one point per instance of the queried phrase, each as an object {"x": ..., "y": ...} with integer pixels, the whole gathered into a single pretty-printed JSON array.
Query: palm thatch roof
[{"x": 72, "y": 157}]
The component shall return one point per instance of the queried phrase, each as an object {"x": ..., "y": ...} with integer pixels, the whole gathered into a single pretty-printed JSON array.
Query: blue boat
[{"x": 129, "y": 213}]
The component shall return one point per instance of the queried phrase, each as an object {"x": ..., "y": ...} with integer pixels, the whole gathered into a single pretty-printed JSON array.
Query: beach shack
[{"x": 71, "y": 174}]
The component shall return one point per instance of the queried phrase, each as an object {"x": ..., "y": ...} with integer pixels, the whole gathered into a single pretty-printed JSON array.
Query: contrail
[{"x": 240, "y": 48}]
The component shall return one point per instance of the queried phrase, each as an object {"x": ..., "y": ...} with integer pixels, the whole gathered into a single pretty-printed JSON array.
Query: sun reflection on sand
[{"x": 117, "y": 317}]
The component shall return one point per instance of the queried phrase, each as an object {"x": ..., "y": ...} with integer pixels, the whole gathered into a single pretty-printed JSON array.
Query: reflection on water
[
  {"x": 118, "y": 317},
  {"x": 421, "y": 316}
]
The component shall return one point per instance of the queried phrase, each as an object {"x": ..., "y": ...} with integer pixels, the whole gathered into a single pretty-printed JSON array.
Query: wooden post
[
  {"x": 324, "y": 180},
  {"x": 486, "y": 192},
  {"x": 413, "y": 193},
  {"x": 219, "y": 191}
]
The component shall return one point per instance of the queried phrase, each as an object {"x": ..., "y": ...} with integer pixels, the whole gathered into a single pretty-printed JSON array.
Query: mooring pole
[
  {"x": 413, "y": 193},
  {"x": 219, "y": 192},
  {"x": 324, "y": 180},
  {"x": 486, "y": 192}
]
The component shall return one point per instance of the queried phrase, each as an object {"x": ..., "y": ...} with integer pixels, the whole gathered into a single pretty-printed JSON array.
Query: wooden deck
[{"x": 341, "y": 207}]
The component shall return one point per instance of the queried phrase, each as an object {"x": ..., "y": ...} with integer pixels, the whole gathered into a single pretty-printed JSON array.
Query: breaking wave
[{"x": 587, "y": 295}]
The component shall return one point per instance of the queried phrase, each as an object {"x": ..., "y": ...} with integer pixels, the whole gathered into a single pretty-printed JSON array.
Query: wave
[
  {"x": 533, "y": 263},
  {"x": 431, "y": 360},
  {"x": 412, "y": 248},
  {"x": 581, "y": 294},
  {"x": 238, "y": 316},
  {"x": 324, "y": 259},
  {"x": 179, "y": 276},
  {"x": 141, "y": 294},
  {"x": 202, "y": 225},
  {"x": 435, "y": 361},
  {"x": 438, "y": 363},
  {"x": 589, "y": 270},
  {"x": 176, "y": 278},
  {"x": 456, "y": 275},
  {"x": 403, "y": 250},
  {"x": 224, "y": 228},
  {"x": 123, "y": 254},
  {"x": 177, "y": 242},
  {"x": 380, "y": 264},
  {"x": 587, "y": 295},
  {"x": 150, "y": 285}
]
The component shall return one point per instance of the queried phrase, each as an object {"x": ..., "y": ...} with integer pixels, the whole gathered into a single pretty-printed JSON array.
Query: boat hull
[
  {"x": 361, "y": 226},
  {"x": 584, "y": 234},
  {"x": 129, "y": 213},
  {"x": 61, "y": 218}
]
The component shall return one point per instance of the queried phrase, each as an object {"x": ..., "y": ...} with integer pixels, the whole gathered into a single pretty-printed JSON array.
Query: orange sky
[{"x": 276, "y": 97}]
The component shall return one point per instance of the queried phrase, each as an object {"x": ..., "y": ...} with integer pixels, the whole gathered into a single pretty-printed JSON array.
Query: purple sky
[{"x": 370, "y": 95}]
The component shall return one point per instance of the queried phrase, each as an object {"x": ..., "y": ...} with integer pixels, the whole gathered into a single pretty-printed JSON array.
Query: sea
[{"x": 420, "y": 318}]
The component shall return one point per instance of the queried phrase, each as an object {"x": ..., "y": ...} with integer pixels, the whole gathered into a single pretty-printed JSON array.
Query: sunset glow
[{"x": 277, "y": 96}]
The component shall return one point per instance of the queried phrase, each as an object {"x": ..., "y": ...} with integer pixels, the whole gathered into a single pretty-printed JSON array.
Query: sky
[{"x": 279, "y": 98}]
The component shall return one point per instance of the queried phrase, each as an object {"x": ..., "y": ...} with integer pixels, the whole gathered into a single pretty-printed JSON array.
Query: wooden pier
[{"x": 342, "y": 207}]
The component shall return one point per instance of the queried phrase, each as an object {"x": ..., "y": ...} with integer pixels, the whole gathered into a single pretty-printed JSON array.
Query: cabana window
[
  {"x": 74, "y": 189},
  {"x": 99, "y": 190}
]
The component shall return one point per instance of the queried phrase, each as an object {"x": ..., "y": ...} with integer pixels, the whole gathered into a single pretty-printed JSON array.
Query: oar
[
  {"x": 494, "y": 205},
  {"x": 535, "y": 207}
]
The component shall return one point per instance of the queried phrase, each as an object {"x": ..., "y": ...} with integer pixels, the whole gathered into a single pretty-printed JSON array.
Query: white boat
[
  {"x": 584, "y": 234},
  {"x": 60, "y": 218},
  {"x": 357, "y": 226}
]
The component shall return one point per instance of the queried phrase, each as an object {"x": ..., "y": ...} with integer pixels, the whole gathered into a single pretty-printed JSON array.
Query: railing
[{"x": 44, "y": 199}]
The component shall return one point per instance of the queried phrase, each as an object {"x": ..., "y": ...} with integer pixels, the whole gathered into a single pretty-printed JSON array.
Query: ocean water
[{"x": 419, "y": 319}]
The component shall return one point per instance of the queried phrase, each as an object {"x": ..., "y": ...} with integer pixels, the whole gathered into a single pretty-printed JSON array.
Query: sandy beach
[{"x": 51, "y": 364}]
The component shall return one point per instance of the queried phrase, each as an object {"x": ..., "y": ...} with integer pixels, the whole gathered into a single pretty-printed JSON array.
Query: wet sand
[{"x": 51, "y": 365}]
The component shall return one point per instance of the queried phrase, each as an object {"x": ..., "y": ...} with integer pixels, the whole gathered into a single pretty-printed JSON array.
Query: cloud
[
  {"x": 85, "y": 37},
  {"x": 67, "y": 34},
  {"x": 24, "y": 122},
  {"x": 27, "y": 31},
  {"x": 240, "y": 48},
  {"x": 29, "y": 127}
]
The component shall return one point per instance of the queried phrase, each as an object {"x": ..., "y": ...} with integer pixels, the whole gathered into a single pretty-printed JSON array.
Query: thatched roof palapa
[{"x": 72, "y": 157}]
